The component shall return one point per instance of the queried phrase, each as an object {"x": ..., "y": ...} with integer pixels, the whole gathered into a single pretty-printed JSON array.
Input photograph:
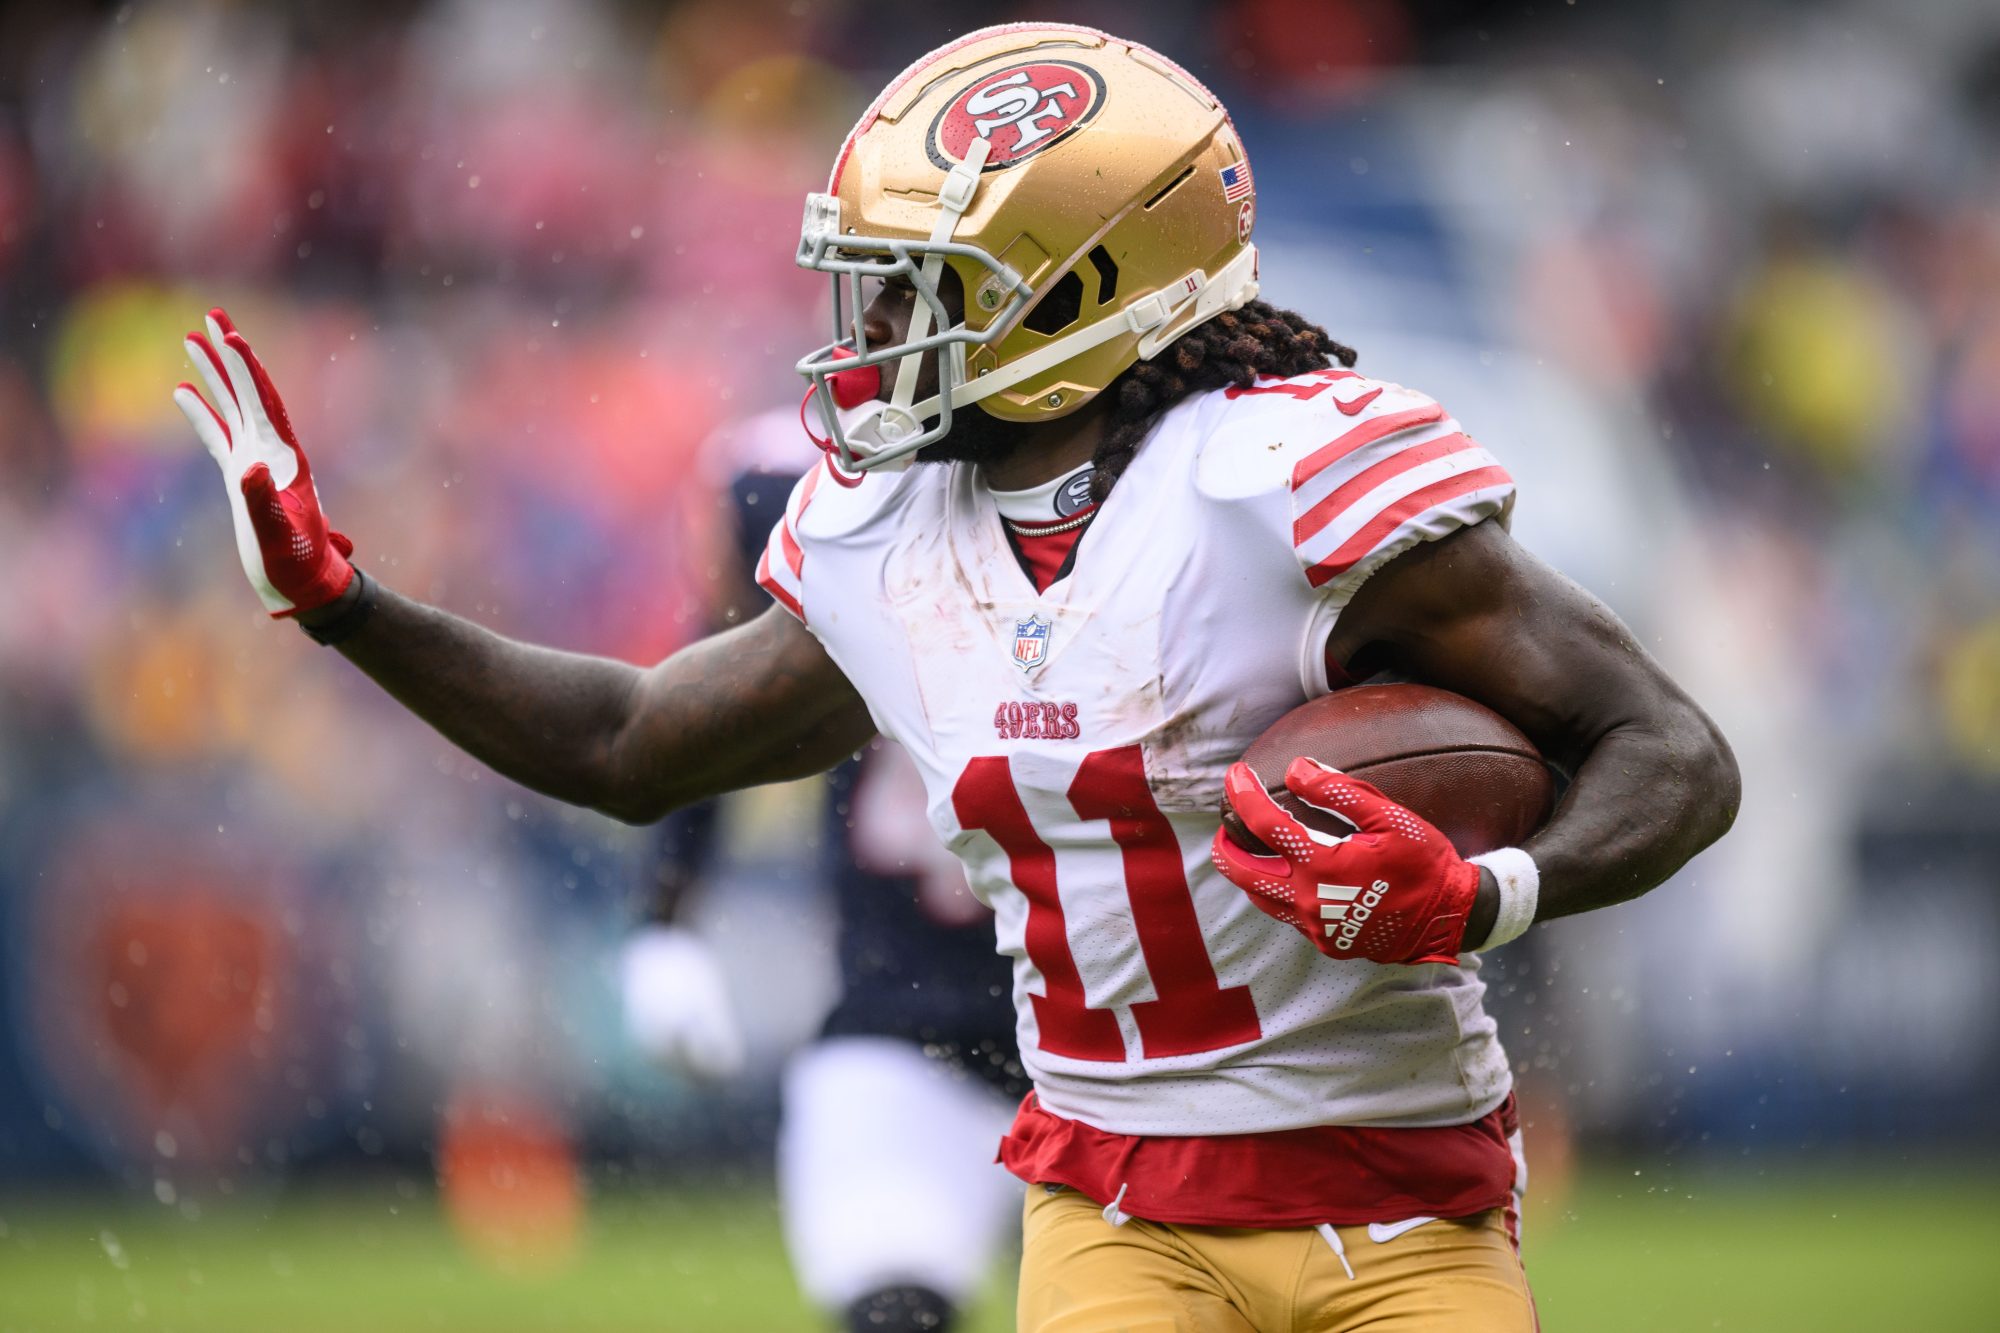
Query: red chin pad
[{"x": 852, "y": 388}]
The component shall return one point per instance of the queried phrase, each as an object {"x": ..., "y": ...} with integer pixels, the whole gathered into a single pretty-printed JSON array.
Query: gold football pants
[{"x": 1080, "y": 1274}]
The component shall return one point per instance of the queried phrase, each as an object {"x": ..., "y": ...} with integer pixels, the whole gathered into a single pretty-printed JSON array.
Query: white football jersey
[{"x": 1072, "y": 745}]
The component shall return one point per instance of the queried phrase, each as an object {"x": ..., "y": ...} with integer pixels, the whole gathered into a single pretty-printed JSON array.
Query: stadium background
[{"x": 1720, "y": 282}]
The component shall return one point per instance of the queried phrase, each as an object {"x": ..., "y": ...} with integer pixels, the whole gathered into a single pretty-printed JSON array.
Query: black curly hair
[{"x": 1233, "y": 348}]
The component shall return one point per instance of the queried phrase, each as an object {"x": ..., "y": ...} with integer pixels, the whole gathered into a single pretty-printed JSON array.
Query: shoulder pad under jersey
[
  {"x": 1355, "y": 470},
  {"x": 832, "y": 506}
]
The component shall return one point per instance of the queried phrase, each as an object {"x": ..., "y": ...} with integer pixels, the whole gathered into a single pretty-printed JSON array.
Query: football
[{"x": 1455, "y": 762}]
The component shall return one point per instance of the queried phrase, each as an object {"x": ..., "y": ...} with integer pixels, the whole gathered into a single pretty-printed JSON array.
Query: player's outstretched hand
[
  {"x": 677, "y": 1008},
  {"x": 294, "y": 560},
  {"x": 1393, "y": 891}
]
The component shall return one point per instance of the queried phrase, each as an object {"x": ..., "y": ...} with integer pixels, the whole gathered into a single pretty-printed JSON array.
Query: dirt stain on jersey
[{"x": 1187, "y": 755}]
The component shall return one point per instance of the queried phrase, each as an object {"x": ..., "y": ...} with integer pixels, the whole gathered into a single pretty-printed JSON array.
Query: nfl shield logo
[{"x": 1031, "y": 642}]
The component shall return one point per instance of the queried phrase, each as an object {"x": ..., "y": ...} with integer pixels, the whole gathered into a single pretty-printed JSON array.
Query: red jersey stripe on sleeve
[
  {"x": 1375, "y": 428},
  {"x": 1372, "y": 533},
  {"x": 1354, "y": 488},
  {"x": 775, "y": 588},
  {"x": 795, "y": 556},
  {"x": 807, "y": 485},
  {"x": 781, "y": 568},
  {"x": 802, "y": 498}
]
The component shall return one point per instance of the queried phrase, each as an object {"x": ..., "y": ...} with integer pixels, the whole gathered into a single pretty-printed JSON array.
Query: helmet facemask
[{"x": 902, "y": 426}]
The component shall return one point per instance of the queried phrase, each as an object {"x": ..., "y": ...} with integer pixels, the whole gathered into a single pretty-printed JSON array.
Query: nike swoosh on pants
[{"x": 1384, "y": 1232}]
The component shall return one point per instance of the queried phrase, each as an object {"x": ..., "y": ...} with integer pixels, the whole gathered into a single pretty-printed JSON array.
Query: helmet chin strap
[{"x": 961, "y": 183}]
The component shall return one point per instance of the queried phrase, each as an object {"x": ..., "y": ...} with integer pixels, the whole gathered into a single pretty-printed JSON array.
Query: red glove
[
  {"x": 1394, "y": 891},
  {"x": 293, "y": 559}
]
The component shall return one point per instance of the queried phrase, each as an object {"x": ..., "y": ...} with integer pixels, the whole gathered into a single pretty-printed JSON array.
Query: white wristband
[{"x": 1520, "y": 891}]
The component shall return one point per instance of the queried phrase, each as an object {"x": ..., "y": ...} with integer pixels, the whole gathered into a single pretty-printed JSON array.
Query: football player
[
  {"x": 894, "y": 1209},
  {"x": 1151, "y": 514}
]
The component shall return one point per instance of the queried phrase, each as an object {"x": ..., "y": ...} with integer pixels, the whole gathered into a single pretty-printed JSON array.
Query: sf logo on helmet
[{"x": 1019, "y": 111}]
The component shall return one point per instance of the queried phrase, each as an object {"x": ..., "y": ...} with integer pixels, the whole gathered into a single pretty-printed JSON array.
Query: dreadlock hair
[{"x": 1233, "y": 348}]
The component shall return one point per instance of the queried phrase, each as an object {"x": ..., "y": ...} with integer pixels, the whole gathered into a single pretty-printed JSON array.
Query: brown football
[{"x": 1457, "y": 763}]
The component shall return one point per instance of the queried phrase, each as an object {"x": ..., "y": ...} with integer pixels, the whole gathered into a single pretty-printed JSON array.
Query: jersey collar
[{"x": 1055, "y": 501}]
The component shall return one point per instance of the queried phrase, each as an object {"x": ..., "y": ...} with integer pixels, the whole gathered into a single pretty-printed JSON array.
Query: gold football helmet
[{"x": 1091, "y": 196}]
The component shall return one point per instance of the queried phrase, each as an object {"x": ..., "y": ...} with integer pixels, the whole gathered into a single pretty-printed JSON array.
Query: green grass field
[{"x": 1628, "y": 1252}]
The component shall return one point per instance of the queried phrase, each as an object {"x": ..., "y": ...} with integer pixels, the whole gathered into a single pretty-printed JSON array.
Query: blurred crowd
[{"x": 513, "y": 261}]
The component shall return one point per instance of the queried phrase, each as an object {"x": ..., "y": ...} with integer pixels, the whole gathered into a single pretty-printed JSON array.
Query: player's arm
[
  {"x": 760, "y": 703},
  {"x": 1652, "y": 781}
]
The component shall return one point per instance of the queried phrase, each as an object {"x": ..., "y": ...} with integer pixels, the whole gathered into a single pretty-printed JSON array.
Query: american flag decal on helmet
[{"x": 1236, "y": 181}]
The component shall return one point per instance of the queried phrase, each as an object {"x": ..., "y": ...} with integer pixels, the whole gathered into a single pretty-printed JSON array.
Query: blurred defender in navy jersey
[{"x": 894, "y": 1208}]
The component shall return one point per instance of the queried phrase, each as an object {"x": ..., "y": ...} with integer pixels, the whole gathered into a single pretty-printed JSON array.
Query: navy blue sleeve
[{"x": 760, "y": 502}]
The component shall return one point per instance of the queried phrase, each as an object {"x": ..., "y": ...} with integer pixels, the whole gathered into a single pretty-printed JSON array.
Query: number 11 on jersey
[{"x": 1193, "y": 1012}]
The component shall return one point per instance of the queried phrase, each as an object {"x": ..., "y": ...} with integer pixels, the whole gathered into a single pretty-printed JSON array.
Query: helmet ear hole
[
  {"x": 1059, "y": 309},
  {"x": 1107, "y": 275}
]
